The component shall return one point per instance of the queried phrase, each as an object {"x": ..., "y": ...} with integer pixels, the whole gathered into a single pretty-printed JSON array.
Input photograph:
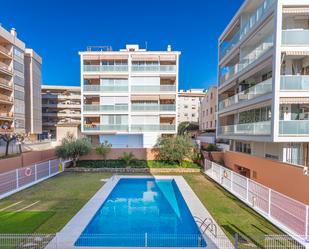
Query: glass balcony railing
[
  {"x": 153, "y": 88},
  {"x": 105, "y": 68},
  {"x": 246, "y": 27},
  {"x": 153, "y": 68},
  {"x": 229, "y": 71},
  {"x": 109, "y": 127},
  {"x": 258, "y": 128},
  {"x": 153, "y": 127},
  {"x": 294, "y": 127},
  {"x": 250, "y": 93},
  {"x": 108, "y": 108},
  {"x": 294, "y": 82},
  {"x": 153, "y": 107},
  {"x": 295, "y": 37},
  {"x": 102, "y": 88}
]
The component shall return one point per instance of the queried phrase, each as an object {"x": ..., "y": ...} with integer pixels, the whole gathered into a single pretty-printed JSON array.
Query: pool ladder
[{"x": 207, "y": 224}]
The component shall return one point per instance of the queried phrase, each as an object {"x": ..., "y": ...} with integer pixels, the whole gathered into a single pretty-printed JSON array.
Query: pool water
[{"x": 139, "y": 212}]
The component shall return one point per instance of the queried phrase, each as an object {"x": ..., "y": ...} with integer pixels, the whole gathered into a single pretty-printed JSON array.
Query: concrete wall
[
  {"x": 26, "y": 159},
  {"x": 284, "y": 178}
]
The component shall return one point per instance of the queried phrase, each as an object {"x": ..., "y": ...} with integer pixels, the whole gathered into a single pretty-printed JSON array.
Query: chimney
[
  {"x": 169, "y": 48},
  {"x": 13, "y": 32}
]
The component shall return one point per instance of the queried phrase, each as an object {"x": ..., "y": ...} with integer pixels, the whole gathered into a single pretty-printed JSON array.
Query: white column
[
  {"x": 35, "y": 172},
  {"x": 49, "y": 167},
  {"x": 17, "y": 181},
  {"x": 269, "y": 201}
]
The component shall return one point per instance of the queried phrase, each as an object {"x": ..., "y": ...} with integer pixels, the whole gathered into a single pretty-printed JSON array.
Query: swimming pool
[{"x": 143, "y": 212}]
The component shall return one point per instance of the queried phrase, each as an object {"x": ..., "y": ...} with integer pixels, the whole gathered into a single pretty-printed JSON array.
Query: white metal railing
[
  {"x": 105, "y": 68},
  {"x": 16, "y": 180},
  {"x": 250, "y": 93},
  {"x": 286, "y": 213},
  {"x": 257, "y": 128},
  {"x": 228, "y": 72},
  {"x": 295, "y": 37},
  {"x": 294, "y": 82}
]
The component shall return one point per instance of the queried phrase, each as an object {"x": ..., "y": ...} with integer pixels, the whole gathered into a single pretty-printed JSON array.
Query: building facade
[
  {"x": 188, "y": 105},
  {"x": 61, "y": 111},
  {"x": 20, "y": 75},
  {"x": 208, "y": 111},
  {"x": 129, "y": 96},
  {"x": 263, "y": 91}
]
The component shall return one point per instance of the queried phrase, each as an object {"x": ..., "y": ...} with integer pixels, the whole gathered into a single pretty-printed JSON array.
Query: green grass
[{"x": 58, "y": 199}]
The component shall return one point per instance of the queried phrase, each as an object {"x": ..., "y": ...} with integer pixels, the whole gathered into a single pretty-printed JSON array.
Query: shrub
[
  {"x": 128, "y": 158},
  {"x": 212, "y": 147},
  {"x": 73, "y": 149},
  {"x": 103, "y": 149}
]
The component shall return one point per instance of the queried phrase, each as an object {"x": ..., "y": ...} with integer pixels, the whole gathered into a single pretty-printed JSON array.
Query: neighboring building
[
  {"x": 61, "y": 111},
  {"x": 33, "y": 107},
  {"x": 188, "y": 105},
  {"x": 20, "y": 75},
  {"x": 263, "y": 80},
  {"x": 208, "y": 111},
  {"x": 129, "y": 96}
]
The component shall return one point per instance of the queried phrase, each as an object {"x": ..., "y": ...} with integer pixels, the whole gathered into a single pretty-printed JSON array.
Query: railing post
[
  {"x": 232, "y": 179},
  {"x": 212, "y": 169},
  {"x": 306, "y": 224},
  {"x": 48, "y": 167},
  {"x": 17, "y": 180},
  {"x": 35, "y": 172},
  {"x": 236, "y": 241},
  {"x": 146, "y": 240},
  {"x": 247, "y": 189},
  {"x": 269, "y": 201}
]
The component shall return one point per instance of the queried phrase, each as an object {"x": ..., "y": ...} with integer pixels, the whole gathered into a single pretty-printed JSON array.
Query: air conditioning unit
[{"x": 306, "y": 171}]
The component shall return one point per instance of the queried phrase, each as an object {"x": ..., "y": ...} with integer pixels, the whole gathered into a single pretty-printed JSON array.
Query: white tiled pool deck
[{"x": 66, "y": 238}]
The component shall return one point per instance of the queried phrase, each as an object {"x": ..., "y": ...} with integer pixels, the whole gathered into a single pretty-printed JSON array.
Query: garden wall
[
  {"x": 135, "y": 170},
  {"x": 26, "y": 159},
  {"x": 139, "y": 153}
]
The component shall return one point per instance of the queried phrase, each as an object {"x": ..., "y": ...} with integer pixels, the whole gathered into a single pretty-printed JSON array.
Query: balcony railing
[
  {"x": 295, "y": 37},
  {"x": 250, "y": 93},
  {"x": 6, "y": 98},
  {"x": 153, "y": 107},
  {"x": 294, "y": 127},
  {"x": 246, "y": 27},
  {"x": 154, "y": 88},
  {"x": 229, "y": 71},
  {"x": 5, "y": 83},
  {"x": 258, "y": 128},
  {"x": 153, "y": 68},
  {"x": 108, "y": 108},
  {"x": 5, "y": 50},
  {"x": 153, "y": 127},
  {"x": 6, "y": 115},
  {"x": 105, "y": 68},
  {"x": 5, "y": 66},
  {"x": 102, "y": 127},
  {"x": 102, "y": 88},
  {"x": 294, "y": 82}
]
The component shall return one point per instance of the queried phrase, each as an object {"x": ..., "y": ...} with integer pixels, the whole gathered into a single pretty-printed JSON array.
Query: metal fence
[
  {"x": 16, "y": 180},
  {"x": 286, "y": 213}
]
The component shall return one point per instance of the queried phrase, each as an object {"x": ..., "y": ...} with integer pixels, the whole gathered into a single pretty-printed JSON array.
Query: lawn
[{"x": 52, "y": 203}]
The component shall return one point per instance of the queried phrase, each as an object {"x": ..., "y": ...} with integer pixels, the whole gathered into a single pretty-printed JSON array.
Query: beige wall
[
  {"x": 208, "y": 109},
  {"x": 63, "y": 130}
]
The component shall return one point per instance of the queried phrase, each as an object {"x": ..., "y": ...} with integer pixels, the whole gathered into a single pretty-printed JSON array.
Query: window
[
  {"x": 193, "y": 107},
  {"x": 211, "y": 96},
  {"x": 243, "y": 147},
  {"x": 185, "y": 106},
  {"x": 185, "y": 114},
  {"x": 193, "y": 115},
  {"x": 207, "y": 112},
  {"x": 210, "y": 110}
]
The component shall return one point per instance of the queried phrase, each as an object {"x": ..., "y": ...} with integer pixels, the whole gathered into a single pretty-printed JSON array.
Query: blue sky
[{"x": 58, "y": 29}]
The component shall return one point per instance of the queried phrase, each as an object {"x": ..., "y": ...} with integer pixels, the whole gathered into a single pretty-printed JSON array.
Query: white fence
[
  {"x": 16, "y": 180},
  {"x": 286, "y": 213}
]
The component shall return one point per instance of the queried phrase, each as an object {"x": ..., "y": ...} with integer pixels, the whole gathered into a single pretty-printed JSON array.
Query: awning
[
  {"x": 296, "y": 10},
  {"x": 294, "y": 100},
  {"x": 168, "y": 96},
  {"x": 105, "y": 57},
  {"x": 145, "y": 57},
  {"x": 145, "y": 97},
  {"x": 91, "y": 76},
  {"x": 297, "y": 53},
  {"x": 167, "y": 57}
]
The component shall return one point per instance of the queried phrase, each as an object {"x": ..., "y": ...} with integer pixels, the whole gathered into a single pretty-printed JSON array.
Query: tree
[
  {"x": 71, "y": 148},
  {"x": 186, "y": 127},
  {"x": 103, "y": 149},
  {"x": 128, "y": 158},
  {"x": 10, "y": 137},
  {"x": 175, "y": 149}
]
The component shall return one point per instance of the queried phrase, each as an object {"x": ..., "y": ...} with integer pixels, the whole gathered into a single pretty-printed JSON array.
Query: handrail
[{"x": 211, "y": 226}]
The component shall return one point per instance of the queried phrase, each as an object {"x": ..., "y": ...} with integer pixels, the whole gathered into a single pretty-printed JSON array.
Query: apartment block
[
  {"x": 263, "y": 91},
  {"x": 129, "y": 96},
  {"x": 19, "y": 70},
  {"x": 61, "y": 111},
  {"x": 188, "y": 105},
  {"x": 208, "y": 111}
]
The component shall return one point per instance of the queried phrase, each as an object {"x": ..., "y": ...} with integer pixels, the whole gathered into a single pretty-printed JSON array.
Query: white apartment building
[
  {"x": 188, "y": 105},
  {"x": 263, "y": 91},
  {"x": 129, "y": 96}
]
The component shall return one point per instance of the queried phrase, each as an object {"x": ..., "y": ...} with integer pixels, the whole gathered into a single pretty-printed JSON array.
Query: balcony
[
  {"x": 107, "y": 128},
  {"x": 6, "y": 98},
  {"x": 153, "y": 107},
  {"x": 106, "y": 108},
  {"x": 4, "y": 83},
  {"x": 101, "y": 88},
  {"x": 258, "y": 128},
  {"x": 295, "y": 37},
  {"x": 154, "y": 88},
  {"x": 229, "y": 71},
  {"x": 60, "y": 96},
  {"x": 6, "y": 116},
  {"x": 294, "y": 82},
  {"x": 154, "y": 68},
  {"x": 294, "y": 127},
  {"x": 105, "y": 68},
  {"x": 5, "y": 52},
  {"x": 59, "y": 105},
  {"x": 251, "y": 93},
  {"x": 153, "y": 127},
  {"x": 5, "y": 67},
  {"x": 246, "y": 27},
  {"x": 61, "y": 114}
]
